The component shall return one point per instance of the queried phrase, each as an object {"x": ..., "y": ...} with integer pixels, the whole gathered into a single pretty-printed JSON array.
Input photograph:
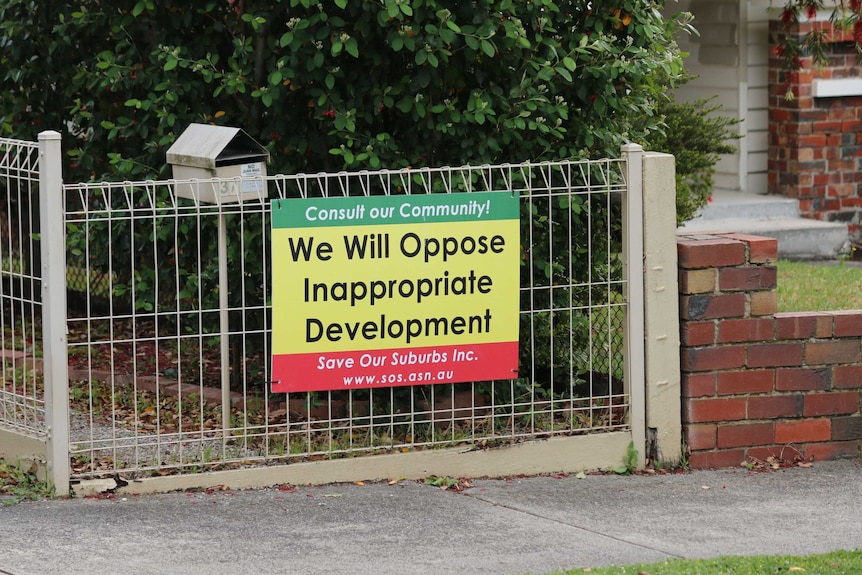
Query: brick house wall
[
  {"x": 815, "y": 143},
  {"x": 755, "y": 381}
]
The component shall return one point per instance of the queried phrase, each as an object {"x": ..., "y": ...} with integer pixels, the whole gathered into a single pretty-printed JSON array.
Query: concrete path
[{"x": 523, "y": 525}]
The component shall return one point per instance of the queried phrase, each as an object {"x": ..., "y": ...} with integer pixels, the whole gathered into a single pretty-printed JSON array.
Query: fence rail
[{"x": 169, "y": 371}]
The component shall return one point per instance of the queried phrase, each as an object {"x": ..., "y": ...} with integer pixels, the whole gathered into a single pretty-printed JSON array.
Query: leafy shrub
[
  {"x": 337, "y": 85},
  {"x": 695, "y": 135}
]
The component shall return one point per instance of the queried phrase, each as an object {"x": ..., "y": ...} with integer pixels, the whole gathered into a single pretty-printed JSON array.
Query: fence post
[
  {"x": 661, "y": 310},
  {"x": 52, "y": 229},
  {"x": 633, "y": 249}
]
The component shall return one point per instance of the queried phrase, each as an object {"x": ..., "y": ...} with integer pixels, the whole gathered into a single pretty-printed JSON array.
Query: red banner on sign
[{"x": 392, "y": 367}]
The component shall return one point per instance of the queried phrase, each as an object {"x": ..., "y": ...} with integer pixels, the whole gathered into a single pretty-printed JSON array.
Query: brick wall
[
  {"x": 753, "y": 380},
  {"x": 815, "y": 144}
]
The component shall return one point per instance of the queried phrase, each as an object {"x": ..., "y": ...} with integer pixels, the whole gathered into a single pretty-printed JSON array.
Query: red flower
[{"x": 811, "y": 10}]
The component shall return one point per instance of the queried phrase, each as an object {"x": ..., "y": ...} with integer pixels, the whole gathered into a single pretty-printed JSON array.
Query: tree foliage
[{"x": 337, "y": 84}]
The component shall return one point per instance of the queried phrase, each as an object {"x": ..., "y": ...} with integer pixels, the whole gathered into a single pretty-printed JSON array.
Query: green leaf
[
  {"x": 488, "y": 48},
  {"x": 341, "y": 4},
  {"x": 405, "y": 105},
  {"x": 330, "y": 81},
  {"x": 352, "y": 47},
  {"x": 171, "y": 64}
]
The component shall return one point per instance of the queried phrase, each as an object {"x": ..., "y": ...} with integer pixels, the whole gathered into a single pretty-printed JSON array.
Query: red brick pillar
[{"x": 815, "y": 143}]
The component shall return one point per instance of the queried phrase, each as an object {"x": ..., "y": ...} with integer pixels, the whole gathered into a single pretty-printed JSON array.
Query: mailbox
[{"x": 204, "y": 152}]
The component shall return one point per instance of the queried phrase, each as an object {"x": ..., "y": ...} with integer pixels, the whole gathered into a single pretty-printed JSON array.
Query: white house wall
[
  {"x": 756, "y": 126},
  {"x": 729, "y": 60}
]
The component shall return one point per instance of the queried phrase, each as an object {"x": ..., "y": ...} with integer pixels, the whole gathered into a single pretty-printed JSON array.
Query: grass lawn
[
  {"x": 835, "y": 563},
  {"x": 805, "y": 286}
]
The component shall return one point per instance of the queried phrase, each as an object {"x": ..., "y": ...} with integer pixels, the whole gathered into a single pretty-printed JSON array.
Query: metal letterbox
[{"x": 204, "y": 152}]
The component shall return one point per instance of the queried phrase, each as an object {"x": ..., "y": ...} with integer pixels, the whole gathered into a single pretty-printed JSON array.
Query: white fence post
[
  {"x": 633, "y": 250},
  {"x": 661, "y": 314},
  {"x": 52, "y": 230}
]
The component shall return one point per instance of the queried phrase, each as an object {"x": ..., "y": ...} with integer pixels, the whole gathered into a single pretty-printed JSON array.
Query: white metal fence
[
  {"x": 168, "y": 353},
  {"x": 22, "y": 400}
]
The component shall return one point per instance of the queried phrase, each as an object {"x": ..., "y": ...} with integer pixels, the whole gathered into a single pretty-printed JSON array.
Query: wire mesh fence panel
[
  {"x": 170, "y": 351},
  {"x": 22, "y": 395}
]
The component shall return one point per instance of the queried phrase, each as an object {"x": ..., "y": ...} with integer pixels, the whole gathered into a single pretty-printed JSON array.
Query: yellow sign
[{"x": 381, "y": 291}]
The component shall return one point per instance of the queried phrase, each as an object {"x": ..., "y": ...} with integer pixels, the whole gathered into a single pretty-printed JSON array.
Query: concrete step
[
  {"x": 749, "y": 206},
  {"x": 773, "y": 217}
]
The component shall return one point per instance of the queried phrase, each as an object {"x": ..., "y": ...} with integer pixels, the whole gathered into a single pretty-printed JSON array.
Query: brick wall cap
[
  {"x": 843, "y": 312},
  {"x": 707, "y": 239},
  {"x": 702, "y": 236},
  {"x": 792, "y": 314}
]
